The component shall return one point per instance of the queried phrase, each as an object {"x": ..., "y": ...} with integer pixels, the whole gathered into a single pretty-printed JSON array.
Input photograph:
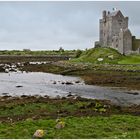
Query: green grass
[
  {"x": 109, "y": 55},
  {"x": 131, "y": 59},
  {"x": 93, "y": 54},
  {"x": 31, "y": 108},
  {"x": 25, "y": 109},
  {"x": 117, "y": 126},
  {"x": 12, "y": 109},
  {"x": 77, "y": 126}
]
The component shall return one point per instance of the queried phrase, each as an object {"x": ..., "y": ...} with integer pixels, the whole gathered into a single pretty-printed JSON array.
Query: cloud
[{"x": 49, "y": 25}]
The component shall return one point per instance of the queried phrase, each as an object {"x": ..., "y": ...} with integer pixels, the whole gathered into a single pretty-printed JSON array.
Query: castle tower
[
  {"x": 110, "y": 26},
  {"x": 114, "y": 33},
  {"x": 125, "y": 41}
]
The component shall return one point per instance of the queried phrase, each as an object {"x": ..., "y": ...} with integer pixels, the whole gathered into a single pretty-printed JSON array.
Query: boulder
[
  {"x": 111, "y": 56},
  {"x": 69, "y": 83},
  {"x": 39, "y": 133},
  {"x": 60, "y": 125},
  {"x": 100, "y": 59},
  {"x": 54, "y": 82}
]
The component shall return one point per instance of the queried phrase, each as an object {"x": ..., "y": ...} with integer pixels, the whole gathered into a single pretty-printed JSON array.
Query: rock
[
  {"x": 2, "y": 69},
  {"x": 69, "y": 95},
  {"x": 54, "y": 82},
  {"x": 39, "y": 133},
  {"x": 100, "y": 59},
  {"x": 69, "y": 83},
  {"x": 133, "y": 93},
  {"x": 46, "y": 96},
  {"x": 12, "y": 70},
  {"x": 5, "y": 93},
  {"x": 6, "y": 96},
  {"x": 75, "y": 97},
  {"x": 24, "y": 96},
  {"x": 77, "y": 81},
  {"x": 19, "y": 86},
  {"x": 63, "y": 98},
  {"x": 26, "y": 63},
  {"x": 10, "y": 119},
  {"x": 60, "y": 125},
  {"x": 111, "y": 56}
]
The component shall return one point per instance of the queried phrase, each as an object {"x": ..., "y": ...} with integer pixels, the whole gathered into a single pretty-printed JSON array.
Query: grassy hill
[
  {"x": 106, "y": 56},
  {"x": 100, "y": 56}
]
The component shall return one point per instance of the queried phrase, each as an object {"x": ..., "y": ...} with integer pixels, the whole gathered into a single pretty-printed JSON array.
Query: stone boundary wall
[{"x": 20, "y": 58}]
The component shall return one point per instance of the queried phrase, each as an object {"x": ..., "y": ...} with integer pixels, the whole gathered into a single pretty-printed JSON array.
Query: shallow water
[{"x": 36, "y": 83}]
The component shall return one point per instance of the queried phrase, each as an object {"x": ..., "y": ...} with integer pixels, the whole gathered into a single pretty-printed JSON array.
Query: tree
[{"x": 61, "y": 49}]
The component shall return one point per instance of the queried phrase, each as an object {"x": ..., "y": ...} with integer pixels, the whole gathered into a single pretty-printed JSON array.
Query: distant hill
[{"x": 106, "y": 56}]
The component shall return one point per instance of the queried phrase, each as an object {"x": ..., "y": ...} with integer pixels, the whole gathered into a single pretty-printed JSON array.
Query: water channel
[{"x": 38, "y": 83}]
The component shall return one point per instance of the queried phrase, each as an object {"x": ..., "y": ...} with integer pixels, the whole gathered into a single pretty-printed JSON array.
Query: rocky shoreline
[{"x": 103, "y": 75}]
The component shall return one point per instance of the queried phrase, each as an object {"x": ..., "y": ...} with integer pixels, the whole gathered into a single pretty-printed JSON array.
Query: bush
[{"x": 78, "y": 53}]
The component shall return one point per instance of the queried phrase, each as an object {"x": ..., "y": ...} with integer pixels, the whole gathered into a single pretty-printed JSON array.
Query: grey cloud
[{"x": 49, "y": 25}]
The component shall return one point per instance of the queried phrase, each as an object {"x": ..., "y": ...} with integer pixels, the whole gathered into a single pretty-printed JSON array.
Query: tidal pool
[{"x": 37, "y": 83}]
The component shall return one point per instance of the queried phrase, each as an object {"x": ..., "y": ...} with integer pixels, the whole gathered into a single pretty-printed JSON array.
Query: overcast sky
[{"x": 49, "y": 25}]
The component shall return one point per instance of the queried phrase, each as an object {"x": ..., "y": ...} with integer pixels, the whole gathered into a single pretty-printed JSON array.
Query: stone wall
[
  {"x": 135, "y": 44},
  {"x": 125, "y": 41}
]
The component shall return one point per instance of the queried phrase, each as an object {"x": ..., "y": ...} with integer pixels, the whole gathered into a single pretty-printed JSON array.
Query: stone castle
[{"x": 114, "y": 33}]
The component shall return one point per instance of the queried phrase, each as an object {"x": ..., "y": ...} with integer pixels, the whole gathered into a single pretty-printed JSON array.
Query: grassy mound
[
  {"x": 100, "y": 56},
  {"x": 107, "y": 56}
]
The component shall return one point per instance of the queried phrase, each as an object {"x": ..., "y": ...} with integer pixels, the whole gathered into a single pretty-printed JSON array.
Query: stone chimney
[
  {"x": 108, "y": 12},
  {"x": 104, "y": 14}
]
